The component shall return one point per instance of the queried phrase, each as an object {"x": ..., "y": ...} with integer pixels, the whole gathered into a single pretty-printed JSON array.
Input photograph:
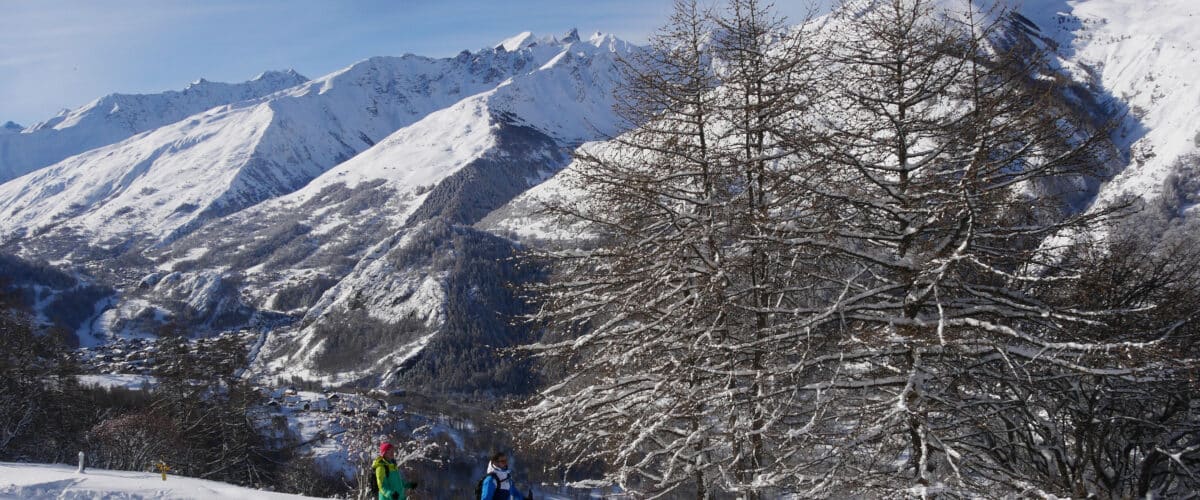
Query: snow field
[{"x": 61, "y": 482}]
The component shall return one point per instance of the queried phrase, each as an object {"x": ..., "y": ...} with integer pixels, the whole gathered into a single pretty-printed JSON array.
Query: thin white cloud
[{"x": 17, "y": 60}]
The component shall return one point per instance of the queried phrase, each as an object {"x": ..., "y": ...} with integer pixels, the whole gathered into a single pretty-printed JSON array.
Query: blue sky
[{"x": 62, "y": 54}]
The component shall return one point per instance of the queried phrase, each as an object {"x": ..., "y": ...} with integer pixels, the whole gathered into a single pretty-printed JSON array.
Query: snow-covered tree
[
  {"x": 851, "y": 260},
  {"x": 947, "y": 256},
  {"x": 649, "y": 311}
]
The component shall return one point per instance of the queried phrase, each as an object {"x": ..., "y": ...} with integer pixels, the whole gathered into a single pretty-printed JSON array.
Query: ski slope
[{"x": 56, "y": 481}]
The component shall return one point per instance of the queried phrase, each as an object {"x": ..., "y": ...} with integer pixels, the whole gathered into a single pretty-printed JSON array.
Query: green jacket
[{"x": 389, "y": 479}]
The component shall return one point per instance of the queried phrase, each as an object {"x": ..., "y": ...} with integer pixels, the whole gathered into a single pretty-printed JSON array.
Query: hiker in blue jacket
[{"x": 498, "y": 483}]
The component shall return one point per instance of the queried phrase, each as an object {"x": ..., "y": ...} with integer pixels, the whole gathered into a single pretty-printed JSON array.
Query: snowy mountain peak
[
  {"x": 116, "y": 117},
  {"x": 268, "y": 81},
  {"x": 527, "y": 40},
  {"x": 521, "y": 40},
  {"x": 268, "y": 145},
  {"x": 10, "y": 127},
  {"x": 280, "y": 76},
  {"x": 610, "y": 42}
]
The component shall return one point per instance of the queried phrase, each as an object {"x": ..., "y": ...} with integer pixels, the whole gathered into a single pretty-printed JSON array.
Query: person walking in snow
[
  {"x": 388, "y": 479},
  {"x": 498, "y": 483}
]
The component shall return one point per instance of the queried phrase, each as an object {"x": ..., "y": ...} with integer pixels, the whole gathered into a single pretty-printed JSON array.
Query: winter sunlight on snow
[{"x": 851, "y": 249}]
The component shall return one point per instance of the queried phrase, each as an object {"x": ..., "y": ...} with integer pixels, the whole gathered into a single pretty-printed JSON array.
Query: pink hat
[{"x": 385, "y": 447}]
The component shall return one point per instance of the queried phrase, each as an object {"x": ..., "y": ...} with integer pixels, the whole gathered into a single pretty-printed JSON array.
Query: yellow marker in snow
[{"x": 163, "y": 468}]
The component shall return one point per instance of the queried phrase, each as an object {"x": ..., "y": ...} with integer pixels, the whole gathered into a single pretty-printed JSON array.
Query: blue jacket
[{"x": 492, "y": 491}]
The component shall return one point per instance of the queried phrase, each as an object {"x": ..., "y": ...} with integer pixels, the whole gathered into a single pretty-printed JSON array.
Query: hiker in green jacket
[{"x": 388, "y": 478}]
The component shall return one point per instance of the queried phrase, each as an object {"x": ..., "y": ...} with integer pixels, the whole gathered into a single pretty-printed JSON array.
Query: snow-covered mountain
[
  {"x": 148, "y": 188},
  {"x": 116, "y": 117},
  {"x": 452, "y": 167},
  {"x": 249, "y": 212},
  {"x": 1144, "y": 56}
]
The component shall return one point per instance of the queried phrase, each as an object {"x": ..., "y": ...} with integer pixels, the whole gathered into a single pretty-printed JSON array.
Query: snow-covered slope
[
  {"x": 426, "y": 309},
  {"x": 167, "y": 181},
  {"x": 524, "y": 218},
  {"x": 511, "y": 137},
  {"x": 116, "y": 117},
  {"x": 56, "y": 482},
  {"x": 1145, "y": 55},
  {"x": 456, "y": 165},
  {"x": 163, "y": 184},
  {"x": 303, "y": 204},
  {"x": 314, "y": 234}
]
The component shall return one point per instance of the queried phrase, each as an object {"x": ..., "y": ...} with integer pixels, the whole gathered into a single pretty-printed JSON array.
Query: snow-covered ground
[
  {"x": 122, "y": 380},
  {"x": 1146, "y": 55},
  {"x": 524, "y": 218},
  {"x": 51, "y": 481}
]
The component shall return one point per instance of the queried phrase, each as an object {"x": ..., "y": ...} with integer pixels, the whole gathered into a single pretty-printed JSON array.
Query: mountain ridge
[
  {"x": 143, "y": 188},
  {"x": 115, "y": 117}
]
